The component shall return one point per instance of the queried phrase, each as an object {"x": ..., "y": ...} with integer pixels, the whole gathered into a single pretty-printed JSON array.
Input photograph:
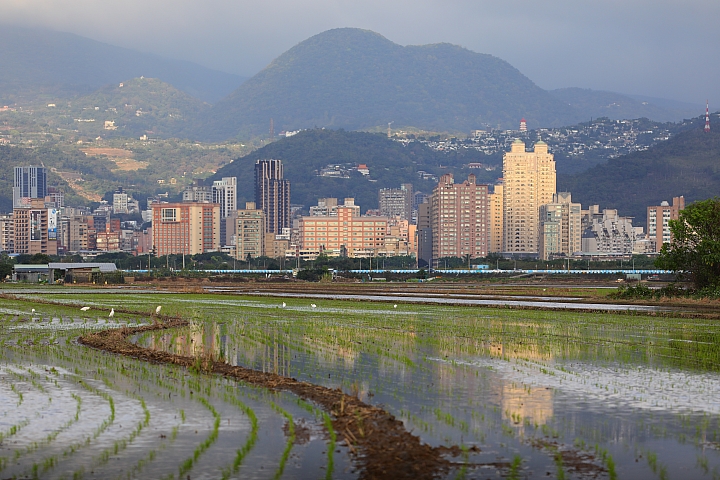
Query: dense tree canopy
[{"x": 695, "y": 247}]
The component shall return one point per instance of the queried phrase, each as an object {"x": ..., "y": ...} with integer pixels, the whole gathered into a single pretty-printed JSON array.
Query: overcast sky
[{"x": 662, "y": 48}]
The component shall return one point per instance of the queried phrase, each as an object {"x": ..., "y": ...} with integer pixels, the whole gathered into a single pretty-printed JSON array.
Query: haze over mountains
[
  {"x": 54, "y": 63},
  {"x": 343, "y": 78},
  {"x": 357, "y": 79}
]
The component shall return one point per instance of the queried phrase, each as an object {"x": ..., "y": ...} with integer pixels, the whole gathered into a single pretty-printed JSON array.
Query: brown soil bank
[{"x": 379, "y": 443}]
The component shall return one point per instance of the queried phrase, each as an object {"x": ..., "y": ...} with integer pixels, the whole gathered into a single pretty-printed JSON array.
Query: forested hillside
[
  {"x": 354, "y": 79},
  {"x": 687, "y": 164},
  {"x": 391, "y": 163}
]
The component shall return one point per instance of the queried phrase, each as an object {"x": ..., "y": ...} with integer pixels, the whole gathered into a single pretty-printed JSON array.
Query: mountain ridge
[
  {"x": 354, "y": 79},
  {"x": 66, "y": 65}
]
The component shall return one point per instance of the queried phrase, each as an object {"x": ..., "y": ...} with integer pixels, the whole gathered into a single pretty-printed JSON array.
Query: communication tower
[{"x": 707, "y": 116}]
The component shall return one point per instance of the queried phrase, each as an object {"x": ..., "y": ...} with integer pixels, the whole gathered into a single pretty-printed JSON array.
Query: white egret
[
  {"x": 85, "y": 309},
  {"x": 112, "y": 313},
  {"x": 395, "y": 306},
  {"x": 157, "y": 310},
  {"x": 284, "y": 305},
  {"x": 33, "y": 311},
  {"x": 313, "y": 305}
]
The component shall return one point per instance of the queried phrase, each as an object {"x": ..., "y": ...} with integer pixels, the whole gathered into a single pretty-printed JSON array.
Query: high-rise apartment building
[
  {"x": 120, "y": 201},
  {"x": 30, "y": 182},
  {"x": 272, "y": 195},
  {"x": 495, "y": 223},
  {"x": 424, "y": 236},
  {"x": 7, "y": 233},
  {"x": 249, "y": 232},
  {"x": 529, "y": 182},
  {"x": 35, "y": 227},
  {"x": 397, "y": 202},
  {"x": 658, "y": 221},
  {"x": 185, "y": 228},
  {"x": 224, "y": 193},
  {"x": 459, "y": 218},
  {"x": 560, "y": 227},
  {"x": 75, "y": 232}
]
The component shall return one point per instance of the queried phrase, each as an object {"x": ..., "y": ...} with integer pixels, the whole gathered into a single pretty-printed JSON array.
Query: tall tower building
[
  {"x": 224, "y": 193},
  {"x": 424, "y": 235},
  {"x": 523, "y": 125},
  {"x": 272, "y": 195},
  {"x": 459, "y": 218},
  {"x": 30, "y": 182},
  {"x": 529, "y": 183}
]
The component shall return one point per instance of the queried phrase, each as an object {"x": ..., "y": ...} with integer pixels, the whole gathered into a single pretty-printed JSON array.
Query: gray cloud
[{"x": 666, "y": 48}]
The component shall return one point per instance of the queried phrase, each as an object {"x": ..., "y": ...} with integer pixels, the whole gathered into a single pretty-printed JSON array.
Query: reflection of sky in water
[
  {"x": 495, "y": 400},
  {"x": 48, "y": 408}
]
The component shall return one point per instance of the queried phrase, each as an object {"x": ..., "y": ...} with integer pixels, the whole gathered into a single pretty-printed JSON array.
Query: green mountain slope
[
  {"x": 62, "y": 64},
  {"x": 139, "y": 106},
  {"x": 11, "y": 157},
  {"x": 355, "y": 79},
  {"x": 688, "y": 164},
  {"x": 390, "y": 163}
]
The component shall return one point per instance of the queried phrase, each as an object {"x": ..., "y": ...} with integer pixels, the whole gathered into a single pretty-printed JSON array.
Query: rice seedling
[{"x": 452, "y": 374}]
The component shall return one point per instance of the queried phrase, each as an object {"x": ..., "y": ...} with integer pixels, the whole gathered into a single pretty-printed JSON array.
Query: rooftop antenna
[{"x": 707, "y": 116}]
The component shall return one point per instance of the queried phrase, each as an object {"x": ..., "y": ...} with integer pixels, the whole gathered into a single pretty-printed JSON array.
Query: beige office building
[
  {"x": 560, "y": 227},
  {"x": 529, "y": 179},
  {"x": 495, "y": 222}
]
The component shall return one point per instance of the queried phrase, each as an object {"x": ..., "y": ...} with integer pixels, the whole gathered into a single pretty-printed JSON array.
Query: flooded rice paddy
[{"x": 541, "y": 394}]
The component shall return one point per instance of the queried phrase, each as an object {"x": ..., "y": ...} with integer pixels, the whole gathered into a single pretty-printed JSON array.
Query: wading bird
[
  {"x": 283, "y": 304},
  {"x": 112, "y": 313},
  {"x": 85, "y": 309},
  {"x": 157, "y": 310},
  {"x": 313, "y": 305}
]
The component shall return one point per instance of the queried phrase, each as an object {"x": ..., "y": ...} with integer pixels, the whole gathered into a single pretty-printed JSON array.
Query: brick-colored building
[
  {"x": 185, "y": 228},
  {"x": 459, "y": 217},
  {"x": 345, "y": 233},
  {"x": 32, "y": 225}
]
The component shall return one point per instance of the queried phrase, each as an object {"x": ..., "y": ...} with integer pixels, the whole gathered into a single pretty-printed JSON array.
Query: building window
[{"x": 168, "y": 215}]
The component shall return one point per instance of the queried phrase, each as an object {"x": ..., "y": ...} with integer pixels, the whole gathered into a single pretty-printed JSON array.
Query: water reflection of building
[{"x": 525, "y": 403}]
